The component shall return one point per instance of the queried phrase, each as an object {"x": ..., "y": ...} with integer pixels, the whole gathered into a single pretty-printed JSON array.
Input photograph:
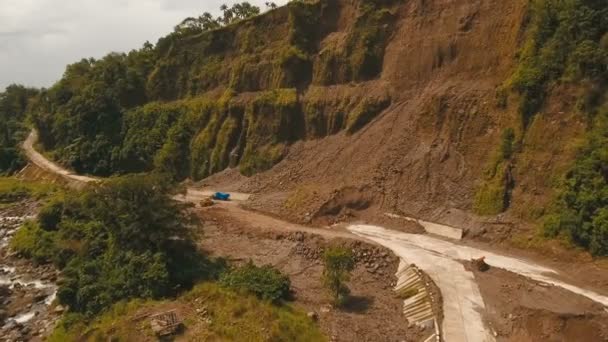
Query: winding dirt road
[
  {"x": 442, "y": 260},
  {"x": 45, "y": 164}
]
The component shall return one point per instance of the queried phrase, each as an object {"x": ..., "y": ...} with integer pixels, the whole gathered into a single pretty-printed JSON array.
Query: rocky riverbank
[{"x": 27, "y": 291}]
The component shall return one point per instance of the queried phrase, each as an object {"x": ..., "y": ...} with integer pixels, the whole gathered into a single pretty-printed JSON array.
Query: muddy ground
[
  {"x": 522, "y": 310},
  {"x": 373, "y": 314}
]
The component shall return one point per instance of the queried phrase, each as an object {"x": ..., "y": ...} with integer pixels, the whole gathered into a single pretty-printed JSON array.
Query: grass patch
[
  {"x": 13, "y": 190},
  {"x": 365, "y": 112},
  {"x": 493, "y": 194},
  {"x": 233, "y": 317}
]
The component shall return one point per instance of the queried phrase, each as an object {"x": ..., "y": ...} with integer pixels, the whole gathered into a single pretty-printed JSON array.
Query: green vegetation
[
  {"x": 206, "y": 22},
  {"x": 14, "y": 104},
  {"x": 80, "y": 117},
  {"x": 265, "y": 282},
  {"x": 567, "y": 41},
  {"x": 581, "y": 212},
  {"x": 365, "y": 112},
  {"x": 161, "y": 108},
  {"x": 494, "y": 193},
  {"x": 125, "y": 239},
  {"x": 233, "y": 317},
  {"x": 13, "y": 190},
  {"x": 339, "y": 263},
  {"x": 272, "y": 121},
  {"x": 362, "y": 56}
]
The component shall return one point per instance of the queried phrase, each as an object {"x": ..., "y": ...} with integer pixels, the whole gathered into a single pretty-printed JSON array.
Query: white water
[
  {"x": 25, "y": 317},
  {"x": 12, "y": 279}
]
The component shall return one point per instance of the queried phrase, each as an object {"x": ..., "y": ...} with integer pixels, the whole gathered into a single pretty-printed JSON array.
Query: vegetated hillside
[
  {"x": 14, "y": 103},
  {"x": 439, "y": 109}
]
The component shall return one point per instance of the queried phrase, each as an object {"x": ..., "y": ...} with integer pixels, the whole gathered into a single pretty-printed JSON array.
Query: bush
[
  {"x": 33, "y": 242},
  {"x": 125, "y": 239},
  {"x": 265, "y": 282},
  {"x": 564, "y": 42},
  {"x": 339, "y": 263},
  {"x": 581, "y": 208},
  {"x": 364, "y": 113},
  {"x": 235, "y": 317},
  {"x": 50, "y": 214},
  {"x": 507, "y": 143}
]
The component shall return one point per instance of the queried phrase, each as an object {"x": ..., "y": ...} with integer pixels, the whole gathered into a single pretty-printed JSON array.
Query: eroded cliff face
[
  {"x": 428, "y": 152},
  {"x": 246, "y": 92},
  {"x": 402, "y": 100}
]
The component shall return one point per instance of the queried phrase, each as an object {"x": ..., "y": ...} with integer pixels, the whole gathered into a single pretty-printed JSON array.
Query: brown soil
[
  {"x": 374, "y": 314},
  {"x": 519, "y": 309}
]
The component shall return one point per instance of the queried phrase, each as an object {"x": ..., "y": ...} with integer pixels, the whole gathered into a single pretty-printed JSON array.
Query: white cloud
[{"x": 38, "y": 38}]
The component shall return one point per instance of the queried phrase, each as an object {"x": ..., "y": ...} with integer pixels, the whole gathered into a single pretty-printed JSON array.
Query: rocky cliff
[{"x": 418, "y": 107}]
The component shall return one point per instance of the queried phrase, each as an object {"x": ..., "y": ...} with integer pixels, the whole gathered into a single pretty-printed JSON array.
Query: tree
[
  {"x": 237, "y": 12},
  {"x": 14, "y": 103},
  {"x": 265, "y": 282},
  {"x": 190, "y": 25},
  {"x": 339, "y": 263},
  {"x": 125, "y": 238}
]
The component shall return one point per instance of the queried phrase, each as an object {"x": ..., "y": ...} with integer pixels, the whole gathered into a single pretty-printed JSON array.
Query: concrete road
[{"x": 442, "y": 261}]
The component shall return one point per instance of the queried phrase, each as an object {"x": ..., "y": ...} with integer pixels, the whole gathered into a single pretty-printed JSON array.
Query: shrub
[
  {"x": 339, "y": 263},
  {"x": 491, "y": 195},
  {"x": 265, "y": 282},
  {"x": 564, "y": 41},
  {"x": 50, "y": 215},
  {"x": 581, "y": 208},
  {"x": 33, "y": 242},
  {"x": 365, "y": 112},
  {"x": 126, "y": 238},
  {"x": 507, "y": 143}
]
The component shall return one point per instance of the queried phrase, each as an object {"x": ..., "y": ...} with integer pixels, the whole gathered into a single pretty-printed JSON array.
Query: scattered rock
[
  {"x": 313, "y": 315},
  {"x": 480, "y": 264},
  {"x": 207, "y": 202}
]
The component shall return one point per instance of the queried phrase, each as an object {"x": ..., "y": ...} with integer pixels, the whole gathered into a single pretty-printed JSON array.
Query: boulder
[
  {"x": 312, "y": 315},
  {"x": 480, "y": 264}
]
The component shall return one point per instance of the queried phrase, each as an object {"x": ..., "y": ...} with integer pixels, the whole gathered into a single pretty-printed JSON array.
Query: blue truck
[{"x": 221, "y": 196}]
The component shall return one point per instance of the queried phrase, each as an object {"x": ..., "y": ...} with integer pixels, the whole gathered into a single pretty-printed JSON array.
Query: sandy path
[{"x": 41, "y": 161}]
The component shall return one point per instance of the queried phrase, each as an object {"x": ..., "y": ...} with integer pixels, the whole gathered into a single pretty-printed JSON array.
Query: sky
[{"x": 38, "y": 38}]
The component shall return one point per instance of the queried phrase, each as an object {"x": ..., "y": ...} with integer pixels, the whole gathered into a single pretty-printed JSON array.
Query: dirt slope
[{"x": 428, "y": 142}]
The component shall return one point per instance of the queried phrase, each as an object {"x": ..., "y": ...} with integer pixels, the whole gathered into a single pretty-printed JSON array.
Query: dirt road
[
  {"x": 42, "y": 162},
  {"x": 463, "y": 303}
]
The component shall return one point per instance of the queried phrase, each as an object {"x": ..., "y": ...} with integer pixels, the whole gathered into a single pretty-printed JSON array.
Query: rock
[
  {"x": 5, "y": 291},
  {"x": 326, "y": 308},
  {"x": 40, "y": 297},
  {"x": 480, "y": 264},
  {"x": 312, "y": 315},
  {"x": 11, "y": 325},
  {"x": 207, "y": 202},
  {"x": 299, "y": 236},
  {"x": 59, "y": 309}
]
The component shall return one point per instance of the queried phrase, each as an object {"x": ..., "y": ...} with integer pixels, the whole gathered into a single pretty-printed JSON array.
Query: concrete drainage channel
[{"x": 419, "y": 299}]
